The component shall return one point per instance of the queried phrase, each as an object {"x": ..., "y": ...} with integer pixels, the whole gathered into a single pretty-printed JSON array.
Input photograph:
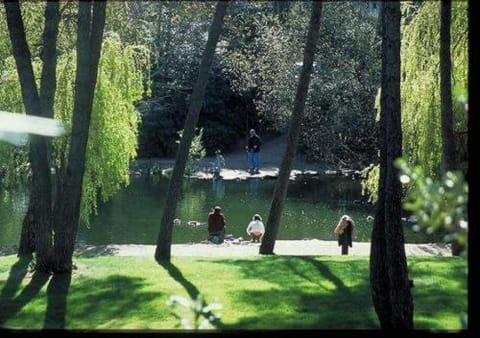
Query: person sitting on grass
[
  {"x": 216, "y": 226},
  {"x": 255, "y": 228}
]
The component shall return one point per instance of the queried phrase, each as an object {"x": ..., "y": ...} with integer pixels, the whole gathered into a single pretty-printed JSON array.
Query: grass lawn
[{"x": 260, "y": 292}]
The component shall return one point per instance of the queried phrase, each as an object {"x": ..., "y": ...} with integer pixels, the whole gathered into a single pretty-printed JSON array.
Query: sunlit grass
[{"x": 262, "y": 292}]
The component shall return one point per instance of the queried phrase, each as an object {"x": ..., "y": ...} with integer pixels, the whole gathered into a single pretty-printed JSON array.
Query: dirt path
[
  {"x": 271, "y": 153},
  {"x": 236, "y": 163},
  {"x": 311, "y": 247},
  {"x": 270, "y": 156}
]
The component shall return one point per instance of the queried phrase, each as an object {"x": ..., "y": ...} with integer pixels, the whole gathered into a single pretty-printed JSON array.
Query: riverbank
[
  {"x": 236, "y": 165},
  {"x": 311, "y": 247}
]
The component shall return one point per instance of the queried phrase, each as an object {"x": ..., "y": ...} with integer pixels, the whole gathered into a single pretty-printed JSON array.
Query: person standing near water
[
  {"x": 253, "y": 149},
  {"x": 344, "y": 230}
]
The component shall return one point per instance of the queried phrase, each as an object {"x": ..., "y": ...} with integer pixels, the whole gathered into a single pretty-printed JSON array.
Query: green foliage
[
  {"x": 339, "y": 126},
  {"x": 255, "y": 73},
  {"x": 14, "y": 163},
  {"x": 420, "y": 89},
  {"x": 177, "y": 39},
  {"x": 194, "y": 314},
  {"x": 370, "y": 176},
  {"x": 256, "y": 60},
  {"x": 195, "y": 153},
  {"x": 14, "y": 166},
  {"x": 437, "y": 203},
  {"x": 113, "y": 132}
]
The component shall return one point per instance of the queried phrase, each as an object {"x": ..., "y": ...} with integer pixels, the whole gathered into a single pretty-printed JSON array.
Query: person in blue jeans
[{"x": 253, "y": 148}]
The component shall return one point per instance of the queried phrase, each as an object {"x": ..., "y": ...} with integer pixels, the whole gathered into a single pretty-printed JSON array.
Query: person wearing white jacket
[{"x": 255, "y": 228}]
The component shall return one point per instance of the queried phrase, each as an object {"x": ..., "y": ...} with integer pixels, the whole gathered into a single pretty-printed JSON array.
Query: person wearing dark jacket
[
  {"x": 216, "y": 225},
  {"x": 344, "y": 230},
  {"x": 253, "y": 148}
]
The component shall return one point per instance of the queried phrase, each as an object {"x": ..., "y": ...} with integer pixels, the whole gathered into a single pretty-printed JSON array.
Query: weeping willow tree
[
  {"x": 112, "y": 142},
  {"x": 13, "y": 159},
  {"x": 420, "y": 87},
  {"x": 113, "y": 133}
]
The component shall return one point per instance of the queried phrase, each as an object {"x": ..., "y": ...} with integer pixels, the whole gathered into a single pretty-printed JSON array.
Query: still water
[{"x": 132, "y": 216}]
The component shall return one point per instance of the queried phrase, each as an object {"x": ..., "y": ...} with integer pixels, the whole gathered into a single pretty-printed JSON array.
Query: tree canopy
[
  {"x": 122, "y": 82},
  {"x": 420, "y": 90}
]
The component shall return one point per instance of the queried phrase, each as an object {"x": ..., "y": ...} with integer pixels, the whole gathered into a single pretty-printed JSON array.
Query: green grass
[{"x": 261, "y": 292}]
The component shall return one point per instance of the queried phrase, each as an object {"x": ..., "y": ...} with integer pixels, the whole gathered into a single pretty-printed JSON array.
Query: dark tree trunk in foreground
[
  {"x": 47, "y": 95},
  {"x": 448, "y": 141},
  {"x": 40, "y": 207},
  {"x": 164, "y": 240},
  {"x": 388, "y": 264},
  {"x": 91, "y": 23},
  {"x": 281, "y": 186},
  {"x": 448, "y": 136}
]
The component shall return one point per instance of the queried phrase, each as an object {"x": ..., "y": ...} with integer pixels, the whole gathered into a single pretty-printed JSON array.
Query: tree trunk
[
  {"x": 27, "y": 235},
  {"x": 47, "y": 95},
  {"x": 448, "y": 138},
  {"x": 164, "y": 240},
  {"x": 448, "y": 135},
  {"x": 389, "y": 276},
  {"x": 41, "y": 185},
  {"x": 91, "y": 23},
  {"x": 281, "y": 186}
]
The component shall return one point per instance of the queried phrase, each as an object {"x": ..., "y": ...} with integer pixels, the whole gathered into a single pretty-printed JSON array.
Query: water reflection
[
  {"x": 312, "y": 209},
  {"x": 218, "y": 188},
  {"x": 253, "y": 184}
]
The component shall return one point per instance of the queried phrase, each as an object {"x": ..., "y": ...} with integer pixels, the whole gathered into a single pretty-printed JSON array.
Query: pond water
[{"x": 312, "y": 209}]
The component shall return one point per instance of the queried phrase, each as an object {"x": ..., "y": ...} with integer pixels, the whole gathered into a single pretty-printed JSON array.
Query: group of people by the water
[
  {"x": 256, "y": 229},
  {"x": 217, "y": 224}
]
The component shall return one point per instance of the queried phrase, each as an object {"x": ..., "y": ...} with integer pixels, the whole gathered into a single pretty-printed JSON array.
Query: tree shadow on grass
[
  {"x": 18, "y": 271},
  {"x": 324, "y": 271},
  {"x": 191, "y": 289},
  {"x": 105, "y": 300},
  {"x": 57, "y": 292},
  {"x": 305, "y": 298},
  {"x": 176, "y": 274},
  {"x": 11, "y": 306}
]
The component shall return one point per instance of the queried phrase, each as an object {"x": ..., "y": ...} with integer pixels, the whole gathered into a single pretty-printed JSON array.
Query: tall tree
[
  {"x": 447, "y": 118},
  {"x": 422, "y": 86},
  {"x": 47, "y": 95},
  {"x": 38, "y": 222},
  {"x": 281, "y": 186},
  {"x": 109, "y": 151},
  {"x": 91, "y": 23},
  {"x": 448, "y": 140},
  {"x": 164, "y": 240},
  {"x": 388, "y": 265}
]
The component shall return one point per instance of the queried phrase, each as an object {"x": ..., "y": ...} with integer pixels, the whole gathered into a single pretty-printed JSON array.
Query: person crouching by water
[
  {"x": 344, "y": 230},
  {"x": 216, "y": 225},
  {"x": 255, "y": 228}
]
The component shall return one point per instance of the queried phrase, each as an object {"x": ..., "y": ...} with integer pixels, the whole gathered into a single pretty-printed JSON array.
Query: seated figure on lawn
[{"x": 216, "y": 226}]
